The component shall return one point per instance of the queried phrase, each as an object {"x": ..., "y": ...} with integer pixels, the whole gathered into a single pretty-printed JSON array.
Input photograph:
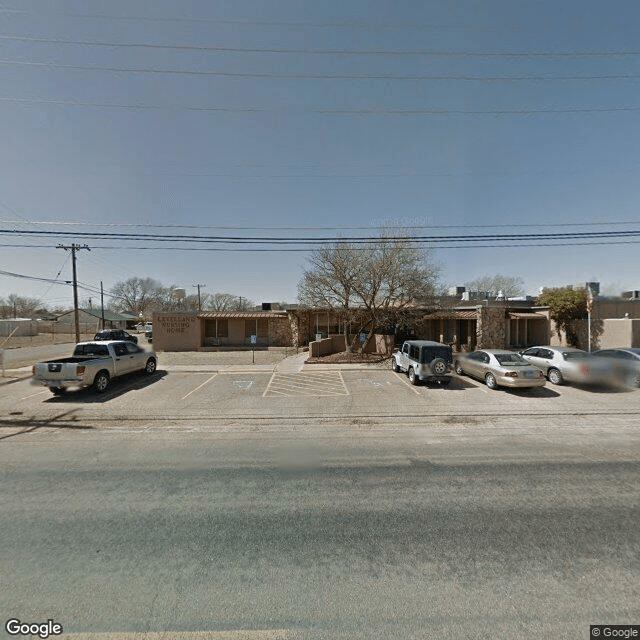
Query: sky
[{"x": 306, "y": 119}]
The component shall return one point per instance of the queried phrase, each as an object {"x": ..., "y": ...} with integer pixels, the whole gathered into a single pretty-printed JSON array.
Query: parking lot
[{"x": 359, "y": 395}]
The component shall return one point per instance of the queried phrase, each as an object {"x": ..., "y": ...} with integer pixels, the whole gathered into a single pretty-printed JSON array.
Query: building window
[
  {"x": 216, "y": 328},
  {"x": 259, "y": 327}
]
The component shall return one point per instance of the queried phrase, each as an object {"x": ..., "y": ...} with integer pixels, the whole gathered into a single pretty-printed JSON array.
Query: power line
[
  {"x": 316, "y": 76},
  {"x": 335, "y": 52},
  {"x": 320, "y": 240},
  {"x": 250, "y": 23},
  {"x": 372, "y": 112},
  {"x": 545, "y": 225}
]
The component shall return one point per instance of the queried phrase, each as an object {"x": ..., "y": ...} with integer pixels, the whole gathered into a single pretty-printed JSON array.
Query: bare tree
[
  {"x": 18, "y": 306},
  {"x": 509, "y": 285},
  {"x": 226, "y": 302},
  {"x": 136, "y": 294},
  {"x": 371, "y": 284}
]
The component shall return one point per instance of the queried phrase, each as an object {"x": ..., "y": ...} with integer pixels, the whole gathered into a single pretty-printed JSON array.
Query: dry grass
[
  {"x": 16, "y": 342},
  {"x": 345, "y": 357}
]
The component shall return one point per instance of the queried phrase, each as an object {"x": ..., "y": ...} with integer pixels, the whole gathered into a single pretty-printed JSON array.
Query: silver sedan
[
  {"x": 563, "y": 364},
  {"x": 499, "y": 368}
]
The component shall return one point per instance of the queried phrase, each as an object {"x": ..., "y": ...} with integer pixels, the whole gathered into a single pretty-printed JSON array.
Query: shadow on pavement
[{"x": 117, "y": 388}]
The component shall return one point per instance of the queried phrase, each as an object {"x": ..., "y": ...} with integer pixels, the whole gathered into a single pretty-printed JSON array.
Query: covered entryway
[
  {"x": 456, "y": 327},
  {"x": 526, "y": 329}
]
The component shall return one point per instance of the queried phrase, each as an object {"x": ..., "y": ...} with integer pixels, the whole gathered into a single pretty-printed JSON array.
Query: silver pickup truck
[{"x": 93, "y": 364}]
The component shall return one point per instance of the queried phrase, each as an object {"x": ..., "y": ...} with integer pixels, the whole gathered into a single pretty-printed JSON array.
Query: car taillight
[
  {"x": 80, "y": 369},
  {"x": 511, "y": 374}
]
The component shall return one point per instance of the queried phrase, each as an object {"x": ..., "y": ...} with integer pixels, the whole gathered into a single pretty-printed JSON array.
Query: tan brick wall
[
  {"x": 176, "y": 332},
  {"x": 281, "y": 333}
]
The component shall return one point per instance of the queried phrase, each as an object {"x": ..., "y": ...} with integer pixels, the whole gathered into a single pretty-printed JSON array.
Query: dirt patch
[{"x": 349, "y": 358}]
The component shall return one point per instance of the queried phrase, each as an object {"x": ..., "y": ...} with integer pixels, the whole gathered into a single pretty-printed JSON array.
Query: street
[{"x": 376, "y": 510}]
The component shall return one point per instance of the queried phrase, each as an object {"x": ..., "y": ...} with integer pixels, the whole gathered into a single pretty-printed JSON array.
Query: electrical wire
[
  {"x": 545, "y": 225},
  {"x": 338, "y": 52},
  {"x": 278, "y": 240},
  {"x": 315, "y": 76},
  {"x": 372, "y": 112}
]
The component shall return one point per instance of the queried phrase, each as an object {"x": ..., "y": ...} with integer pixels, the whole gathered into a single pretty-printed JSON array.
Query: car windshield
[
  {"x": 428, "y": 354},
  {"x": 510, "y": 359}
]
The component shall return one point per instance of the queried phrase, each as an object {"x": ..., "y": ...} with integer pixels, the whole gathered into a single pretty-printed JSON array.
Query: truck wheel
[
  {"x": 101, "y": 382},
  {"x": 150, "y": 367}
]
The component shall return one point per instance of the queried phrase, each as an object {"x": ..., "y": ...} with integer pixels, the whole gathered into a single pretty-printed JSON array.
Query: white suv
[{"x": 424, "y": 360}]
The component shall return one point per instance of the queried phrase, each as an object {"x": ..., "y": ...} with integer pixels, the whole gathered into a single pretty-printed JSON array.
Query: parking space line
[
  {"x": 303, "y": 384},
  {"x": 344, "y": 384},
  {"x": 199, "y": 386},
  {"x": 38, "y": 393},
  {"x": 408, "y": 385}
]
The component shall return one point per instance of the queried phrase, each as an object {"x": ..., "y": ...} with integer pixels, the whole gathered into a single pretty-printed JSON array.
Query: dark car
[{"x": 115, "y": 334}]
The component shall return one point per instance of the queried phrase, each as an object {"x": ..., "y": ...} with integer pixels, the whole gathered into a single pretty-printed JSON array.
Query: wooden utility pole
[
  {"x": 73, "y": 248},
  {"x": 102, "y": 303},
  {"x": 199, "y": 302}
]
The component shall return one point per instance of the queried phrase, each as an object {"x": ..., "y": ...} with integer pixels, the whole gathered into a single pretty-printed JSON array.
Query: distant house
[{"x": 90, "y": 319}]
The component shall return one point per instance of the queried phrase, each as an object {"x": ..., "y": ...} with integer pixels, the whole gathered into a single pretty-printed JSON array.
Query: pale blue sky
[{"x": 293, "y": 114}]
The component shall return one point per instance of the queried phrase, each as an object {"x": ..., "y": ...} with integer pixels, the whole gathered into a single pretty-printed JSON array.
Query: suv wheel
[
  {"x": 458, "y": 369},
  {"x": 394, "y": 365},
  {"x": 413, "y": 378},
  {"x": 438, "y": 366}
]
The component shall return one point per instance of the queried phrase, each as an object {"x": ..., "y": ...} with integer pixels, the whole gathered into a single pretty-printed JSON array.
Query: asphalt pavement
[{"x": 284, "y": 500}]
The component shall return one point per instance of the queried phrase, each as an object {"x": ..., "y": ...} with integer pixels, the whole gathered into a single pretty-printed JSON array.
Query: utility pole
[
  {"x": 198, "y": 287},
  {"x": 73, "y": 248},
  {"x": 102, "y": 303}
]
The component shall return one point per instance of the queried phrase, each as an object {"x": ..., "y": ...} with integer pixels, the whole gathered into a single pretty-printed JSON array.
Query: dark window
[
  {"x": 259, "y": 328},
  {"x": 98, "y": 350},
  {"x": 223, "y": 328},
  {"x": 120, "y": 349},
  {"x": 133, "y": 348},
  {"x": 414, "y": 352},
  {"x": 430, "y": 353}
]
